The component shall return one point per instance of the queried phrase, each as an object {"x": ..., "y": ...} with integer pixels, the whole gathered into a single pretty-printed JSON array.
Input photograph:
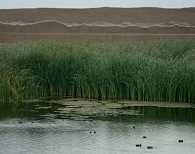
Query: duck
[
  {"x": 134, "y": 127},
  {"x": 138, "y": 145},
  {"x": 144, "y": 137},
  {"x": 149, "y": 147},
  {"x": 20, "y": 122},
  {"x": 180, "y": 141}
]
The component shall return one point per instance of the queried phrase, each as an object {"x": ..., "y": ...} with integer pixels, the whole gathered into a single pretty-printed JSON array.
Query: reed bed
[{"x": 152, "y": 71}]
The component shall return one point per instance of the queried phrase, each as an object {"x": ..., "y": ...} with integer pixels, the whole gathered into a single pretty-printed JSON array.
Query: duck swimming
[
  {"x": 149, "y": 147},
  {"x": 138, "y": 145}
]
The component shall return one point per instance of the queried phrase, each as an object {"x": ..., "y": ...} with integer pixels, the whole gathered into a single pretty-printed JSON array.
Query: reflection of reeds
[
  {"x": 157, "y": 71},
  {"x": 164, "y": 113}
]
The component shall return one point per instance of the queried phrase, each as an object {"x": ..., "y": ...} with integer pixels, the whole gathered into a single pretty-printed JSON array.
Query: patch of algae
[{"x": 85, "y": 109}]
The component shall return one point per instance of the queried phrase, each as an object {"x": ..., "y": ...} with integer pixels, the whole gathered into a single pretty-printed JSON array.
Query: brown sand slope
[
  {"x": 101, "y": 24},
  {"x": 111, "y": 15},
  {"x": 96, "y": 28}
]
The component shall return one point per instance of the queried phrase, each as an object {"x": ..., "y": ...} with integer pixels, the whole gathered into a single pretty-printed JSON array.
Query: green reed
[{"x": 154, "y": 71}]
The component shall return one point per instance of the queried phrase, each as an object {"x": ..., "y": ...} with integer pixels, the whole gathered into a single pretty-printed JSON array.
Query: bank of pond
[{"x": 152, "y": 71}]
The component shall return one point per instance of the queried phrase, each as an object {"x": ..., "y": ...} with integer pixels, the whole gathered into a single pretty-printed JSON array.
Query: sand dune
[
  {"x": 52, "y": 24},
  {"x": 103, "y": 24},
  {"x": 31, "y": 37},
  {"x": 110, "y": 15}
]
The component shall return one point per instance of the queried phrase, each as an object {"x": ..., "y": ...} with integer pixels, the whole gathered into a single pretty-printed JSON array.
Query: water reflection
[
  {"x": 27, "y": 110},
  {"x": 44, "y": 109},
  {"x": 114, "y": 134},
  {"x": 169, "y": 114},
  {"x": 69, "y": 136},
  {"x": 155, "y": 114}
]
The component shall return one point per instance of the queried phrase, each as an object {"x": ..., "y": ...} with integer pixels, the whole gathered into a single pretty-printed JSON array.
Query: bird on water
[
  {"x": 138, "y": 145},
  {"x": 149, "y": 147}
]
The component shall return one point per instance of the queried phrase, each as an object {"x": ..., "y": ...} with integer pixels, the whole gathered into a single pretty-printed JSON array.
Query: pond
[{"x": 58, "y": 128}]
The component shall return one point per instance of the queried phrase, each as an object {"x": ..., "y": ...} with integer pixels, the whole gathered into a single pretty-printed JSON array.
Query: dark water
[{"x": 40, "y": 133}]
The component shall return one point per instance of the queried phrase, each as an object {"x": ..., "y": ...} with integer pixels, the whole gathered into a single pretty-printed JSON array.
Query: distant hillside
[
  {"x": 111, "y": 15},
  {"x": 96, "y": 24}
]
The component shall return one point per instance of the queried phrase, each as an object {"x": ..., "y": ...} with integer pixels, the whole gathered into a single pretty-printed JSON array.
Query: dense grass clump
[{"x": 155, "y": 71}]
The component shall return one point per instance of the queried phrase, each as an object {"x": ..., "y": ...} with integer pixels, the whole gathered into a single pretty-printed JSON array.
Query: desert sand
[{"x": 96, "y": 24}]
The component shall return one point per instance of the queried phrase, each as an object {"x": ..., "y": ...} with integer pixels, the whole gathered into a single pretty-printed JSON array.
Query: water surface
[{"x": 34, "y": 128}]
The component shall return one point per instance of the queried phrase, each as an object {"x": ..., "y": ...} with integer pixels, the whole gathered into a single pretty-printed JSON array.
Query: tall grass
[{"x": 155, "y": 71}]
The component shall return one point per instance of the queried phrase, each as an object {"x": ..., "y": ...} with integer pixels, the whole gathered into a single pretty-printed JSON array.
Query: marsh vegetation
[{"x": 153, "y": 71}]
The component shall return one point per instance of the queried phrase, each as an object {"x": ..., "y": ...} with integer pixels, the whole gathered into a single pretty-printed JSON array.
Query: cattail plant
[{"x": 152, "y": 71}]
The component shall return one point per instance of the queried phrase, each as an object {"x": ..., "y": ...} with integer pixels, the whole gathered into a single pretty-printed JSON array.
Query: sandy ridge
[
  {"x": 110, "y": 15},
  {"x": 53, "y": 26},
  {"x": 103, "y": 24},
  {"x": 96, "y": 24}
]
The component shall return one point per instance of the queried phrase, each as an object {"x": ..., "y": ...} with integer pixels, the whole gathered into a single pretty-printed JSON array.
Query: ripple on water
[{"x": 70, "y": 136}]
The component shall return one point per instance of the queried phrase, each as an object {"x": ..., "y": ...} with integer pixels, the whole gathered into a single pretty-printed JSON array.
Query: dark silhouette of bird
[
  {"x": 144, "y": 137},
  {"x": 138, "y": 145},
  {"x": 134, "y": 127},
  {"x": 149, "y": 147},
  {"x": 20, "y": 122},
  {"x": 180, "y": 141}
]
